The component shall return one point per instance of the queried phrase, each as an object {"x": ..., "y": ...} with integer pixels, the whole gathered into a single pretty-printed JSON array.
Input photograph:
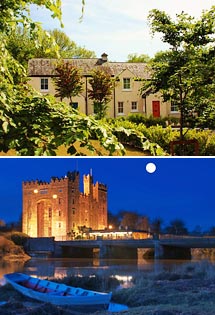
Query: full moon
[{"x": 150, "y": 168}]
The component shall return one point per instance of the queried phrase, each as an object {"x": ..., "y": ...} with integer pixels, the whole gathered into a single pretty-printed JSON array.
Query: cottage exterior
[{"x": 126, "y": 98}]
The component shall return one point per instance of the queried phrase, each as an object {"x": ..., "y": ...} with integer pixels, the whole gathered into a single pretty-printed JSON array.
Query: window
[
  {"x": 75, "y": 105},
  {"x": 120, "y": 108},
  {"x": 134, "y": 106},
  {"x": 174, "y": 107},
  {"x": 126, "y": 83},
  {"x": 44, "y": 84},
  {"x": 44, "y": 191}
]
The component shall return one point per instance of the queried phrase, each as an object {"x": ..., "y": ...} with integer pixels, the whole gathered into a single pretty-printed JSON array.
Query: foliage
[
  {"x": 17, "y": 238},
  {"x": 33, "y": 124},
  {"x": 138, "y": 58},
  {"x": 147, "y": 121},
  {"x": 135, "y": 135},
  {"x": 176, "y": 227},
  {"x": 22, "y": 46},
  {"x": 185, "y": 73},
  {"x": 101, "y": 90},
  {"x": 68, "y": 48},
  {"x": 68, "y": 81},
  {"x": 152, "y": 121}
]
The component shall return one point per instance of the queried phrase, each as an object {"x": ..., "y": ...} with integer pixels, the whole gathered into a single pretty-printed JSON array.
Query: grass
[{"x": 62, "y": 151}]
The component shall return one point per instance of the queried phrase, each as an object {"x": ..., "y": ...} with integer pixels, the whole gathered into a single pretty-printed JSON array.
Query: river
[{"x": 121, "y": 269}]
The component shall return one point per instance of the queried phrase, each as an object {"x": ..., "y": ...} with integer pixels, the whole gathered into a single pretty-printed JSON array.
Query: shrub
[{"x": 18, "y": 238}]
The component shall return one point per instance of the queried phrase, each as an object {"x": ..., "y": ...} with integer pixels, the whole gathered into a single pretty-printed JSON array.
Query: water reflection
[{"x": 123, "y": 270}]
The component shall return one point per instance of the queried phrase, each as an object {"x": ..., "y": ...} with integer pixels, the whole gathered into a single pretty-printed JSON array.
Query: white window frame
[
  {"x": 119, "y": 106},
  {"x": 126, "y": 84},
  {"x": 132, "y": 109},
  {"x": 174, "y": 106},
  {"x": 43, "y": 84}
]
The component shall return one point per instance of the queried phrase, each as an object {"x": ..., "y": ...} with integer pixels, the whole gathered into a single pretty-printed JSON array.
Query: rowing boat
[{"x": 59, "y": 294}]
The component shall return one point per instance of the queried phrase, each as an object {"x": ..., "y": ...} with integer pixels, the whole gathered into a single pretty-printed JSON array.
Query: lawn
[{"x": 62, "y": 151}]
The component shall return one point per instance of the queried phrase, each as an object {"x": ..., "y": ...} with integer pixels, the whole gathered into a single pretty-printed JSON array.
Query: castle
[{"x": 59, "y": 209}]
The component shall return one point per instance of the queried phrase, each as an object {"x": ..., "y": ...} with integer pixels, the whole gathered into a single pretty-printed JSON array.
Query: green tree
[
  {"x": 101, "y": 90},
  {"x": 68, "y": 81},
  {"x": 22, "y": 46},
  {"x": 68, "y": 48},
  {"x": 31, "y": 123},
  {"x": 138, "y": 58},
  {"x": 185, "y": 73}
]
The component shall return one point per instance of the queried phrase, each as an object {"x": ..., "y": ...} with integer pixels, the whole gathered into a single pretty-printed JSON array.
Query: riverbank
[
  {"x": 9, "y": 251},
  {"x": 186, "y": 290}
]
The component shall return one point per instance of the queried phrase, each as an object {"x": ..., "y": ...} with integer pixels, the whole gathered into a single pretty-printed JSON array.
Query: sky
[
  {"x": 180, "y": 188},
  {"x": 117, "y": 27}
]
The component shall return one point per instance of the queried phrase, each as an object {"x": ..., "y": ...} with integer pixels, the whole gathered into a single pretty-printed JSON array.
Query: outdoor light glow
[
  {"x": 150, "y": 168},
  {"x": 36, "y": 191},
  {"x": 54, "y": 196}
]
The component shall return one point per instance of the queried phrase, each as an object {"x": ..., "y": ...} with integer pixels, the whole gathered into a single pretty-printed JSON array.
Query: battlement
[
  {"x": 71, "y": 176},
  {"x": 34, "y": 183}
]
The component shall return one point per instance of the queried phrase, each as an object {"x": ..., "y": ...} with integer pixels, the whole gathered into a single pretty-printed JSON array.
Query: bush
[
  {"x": 18, "y": 238},
  {"x": 157, "y": 135}
]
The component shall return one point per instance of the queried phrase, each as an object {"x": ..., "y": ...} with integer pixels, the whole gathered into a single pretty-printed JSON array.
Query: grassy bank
[{"x": 186, "y": 290}]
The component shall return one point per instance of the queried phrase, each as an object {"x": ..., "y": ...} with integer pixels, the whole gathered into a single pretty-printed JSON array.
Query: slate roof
[{"x": 46, "y": 67}]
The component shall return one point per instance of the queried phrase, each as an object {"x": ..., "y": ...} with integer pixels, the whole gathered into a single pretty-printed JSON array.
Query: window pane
[
  {"x": 120, "y": 107},
  {"x": 44, "y": 84},
  {"x": 133, "y": 105},
  {"x": 126, "y": 83}
]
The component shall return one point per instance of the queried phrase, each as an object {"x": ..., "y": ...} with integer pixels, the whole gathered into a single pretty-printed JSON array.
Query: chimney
[{"x": 104, "y": 57}]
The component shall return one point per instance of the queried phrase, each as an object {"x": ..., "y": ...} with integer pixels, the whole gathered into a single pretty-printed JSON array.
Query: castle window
[
  {"x": 44, "y": 84},
  {"x": 73, "y": 211},
  {"x": 43, "y": 191},
  {"x": 59, "y": 201},
  {"x": 59, "y": 224},
  {"x": 50, "y": 212},
  {"x": 59, "y": 213},
  {"x": 73, "y": 201},
  {"x": 126, "y": 83}
]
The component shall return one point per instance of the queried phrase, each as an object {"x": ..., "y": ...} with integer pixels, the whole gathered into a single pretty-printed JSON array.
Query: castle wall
[{"x": 58, "y": 208}]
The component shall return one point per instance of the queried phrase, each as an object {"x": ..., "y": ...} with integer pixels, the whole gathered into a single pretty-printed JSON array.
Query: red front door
[{"x": 156, "y": 108}]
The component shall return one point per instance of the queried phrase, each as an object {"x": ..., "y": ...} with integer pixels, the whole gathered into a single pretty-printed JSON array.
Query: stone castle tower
[{"x": 58, "y": 207}]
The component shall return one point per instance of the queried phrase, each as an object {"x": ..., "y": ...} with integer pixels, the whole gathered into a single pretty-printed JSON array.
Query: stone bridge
[{"x": 177, "y": 247}]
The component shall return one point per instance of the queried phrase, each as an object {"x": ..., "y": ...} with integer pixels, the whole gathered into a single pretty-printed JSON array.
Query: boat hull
[{"x": 51, "y": 292}]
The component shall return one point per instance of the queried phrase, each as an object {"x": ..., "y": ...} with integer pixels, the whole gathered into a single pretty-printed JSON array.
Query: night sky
[{"x": 180, "y": 188}]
